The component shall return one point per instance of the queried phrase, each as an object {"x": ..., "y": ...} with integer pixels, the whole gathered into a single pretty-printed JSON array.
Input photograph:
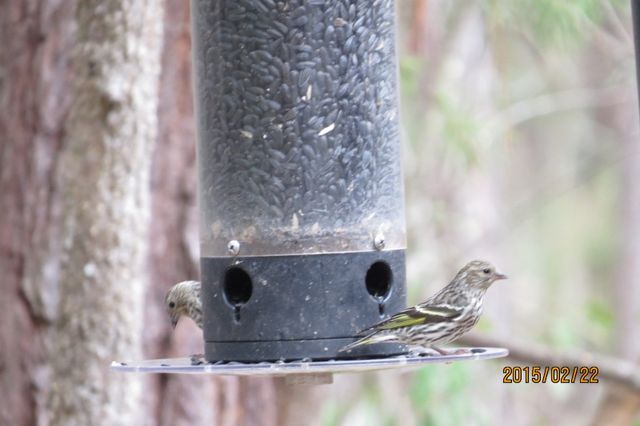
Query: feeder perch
[
  {"x": 303, "y": 367},
  {"x": 301, "y": 197}
]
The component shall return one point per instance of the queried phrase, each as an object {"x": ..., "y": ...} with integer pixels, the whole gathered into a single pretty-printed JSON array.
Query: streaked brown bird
[
  {"x": 183, "y": 299},
  {"x": 440, "y": 319}
]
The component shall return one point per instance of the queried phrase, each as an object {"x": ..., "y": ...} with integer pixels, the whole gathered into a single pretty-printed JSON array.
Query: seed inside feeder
[{"x": 298, "y": 110}]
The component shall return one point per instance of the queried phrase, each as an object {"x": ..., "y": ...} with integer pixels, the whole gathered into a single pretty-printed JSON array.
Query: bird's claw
[
  {"x": 434, "y": 351},
  {"x": 197, "y": 359},
  {"x": 420, "y": 352}
]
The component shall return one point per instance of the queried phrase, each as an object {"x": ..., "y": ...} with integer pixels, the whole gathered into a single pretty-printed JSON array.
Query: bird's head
[
  {"x": 178, "y": 299},
  {"x": 479, "y": 274}
]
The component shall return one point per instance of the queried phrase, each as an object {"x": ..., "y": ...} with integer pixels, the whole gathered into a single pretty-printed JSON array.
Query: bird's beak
[
  {"x": 499, "y": 276},
  {"x": 174, "y": 320}
]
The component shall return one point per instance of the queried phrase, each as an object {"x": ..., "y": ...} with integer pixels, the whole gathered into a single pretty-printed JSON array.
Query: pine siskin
[
  {"x": 184, "y": 299},
  {"x": 442, "y": 318}
]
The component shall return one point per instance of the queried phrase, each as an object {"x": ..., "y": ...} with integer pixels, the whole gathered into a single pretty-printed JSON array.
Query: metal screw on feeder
[
  {"x": 233, "y": 247},
  {"x": 299, "y": 158}
]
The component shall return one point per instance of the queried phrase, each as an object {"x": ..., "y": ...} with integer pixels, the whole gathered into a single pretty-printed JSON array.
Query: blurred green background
[{"x": 520, "y": 146}]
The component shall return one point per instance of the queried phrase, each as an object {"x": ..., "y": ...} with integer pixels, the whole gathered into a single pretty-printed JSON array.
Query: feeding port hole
[
  {"x": 237, "y": 288},
  {"x": 378, "y": 280}
]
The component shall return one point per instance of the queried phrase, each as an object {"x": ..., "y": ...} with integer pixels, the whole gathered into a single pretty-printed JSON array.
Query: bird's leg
[
  {"x": 460, "y": 351},
  {"x": 420, "y": 351},
  {"x": 440, "y": 351}
]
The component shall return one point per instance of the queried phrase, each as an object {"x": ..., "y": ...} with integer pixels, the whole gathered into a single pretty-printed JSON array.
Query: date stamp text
[{"x": 552, "y": 374}]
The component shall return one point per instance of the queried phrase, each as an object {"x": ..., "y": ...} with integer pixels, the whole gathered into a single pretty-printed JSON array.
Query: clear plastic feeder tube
[{"x": 298, "y": 126}]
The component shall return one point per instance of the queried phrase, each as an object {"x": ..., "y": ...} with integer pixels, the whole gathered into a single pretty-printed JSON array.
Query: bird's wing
[{"x": 416, "y": 315}]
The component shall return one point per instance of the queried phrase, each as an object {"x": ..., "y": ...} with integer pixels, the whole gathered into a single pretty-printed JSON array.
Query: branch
[
  {"x": 616, "y": 370},
  {"x": 549, "y": 103}
]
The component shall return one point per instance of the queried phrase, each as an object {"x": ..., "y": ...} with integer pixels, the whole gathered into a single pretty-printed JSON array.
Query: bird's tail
[{"x": 369, "y": 340}]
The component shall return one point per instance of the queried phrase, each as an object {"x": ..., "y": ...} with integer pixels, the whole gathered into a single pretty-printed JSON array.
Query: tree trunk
[
  {"x": 34, "y": 100},
  {"x": 104, "y": 177},
  {"x": 174, "y": 254},
  {"x": 102, "y": 193},
  {"x": 619, "y": 406}
]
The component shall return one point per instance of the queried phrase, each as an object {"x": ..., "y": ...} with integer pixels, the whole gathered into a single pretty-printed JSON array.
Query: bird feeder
[
  {"x": 302, "y": 225},
  {"x": 302, "y": 219}
]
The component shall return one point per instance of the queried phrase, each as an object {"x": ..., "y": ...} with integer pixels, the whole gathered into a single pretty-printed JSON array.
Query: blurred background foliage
[
  {"x": 519, "y": 118},
  {"x": 520, "y": 146}
]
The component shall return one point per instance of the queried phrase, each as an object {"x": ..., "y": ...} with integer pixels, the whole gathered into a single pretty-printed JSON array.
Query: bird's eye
[
  {"x": 172, "y": 305},
  {"x": 486, "y": 270}
]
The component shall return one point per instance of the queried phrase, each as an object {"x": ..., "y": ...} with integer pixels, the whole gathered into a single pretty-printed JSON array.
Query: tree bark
[
  {"x": 619, "y": 406},
  {"x": 104, "y": 177},
  {"x": 34, "y": 100},
  {"x": 111, "y": 125},
  {"x": 174, "y": 254},
  {"x": 173, "y": 239}
]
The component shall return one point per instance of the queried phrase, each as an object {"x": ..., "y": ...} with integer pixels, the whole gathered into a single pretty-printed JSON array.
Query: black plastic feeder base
[
  {"x": 269, "y": 308},
  {"x": 297, "y": 349}
]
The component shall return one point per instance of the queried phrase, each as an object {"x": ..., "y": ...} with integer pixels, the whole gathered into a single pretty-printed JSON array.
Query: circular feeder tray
[{"x": 303, "y": 366}]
